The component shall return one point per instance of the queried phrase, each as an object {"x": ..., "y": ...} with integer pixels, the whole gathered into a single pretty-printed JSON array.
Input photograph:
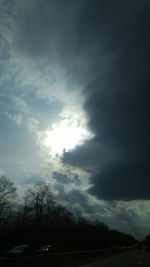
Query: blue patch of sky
[
  {"x": 8, "y": 83},
  {"x": 31, "y": 180},
  {"x": 44, "y": 109},
  {"x": 9, "y": 130},
  {"x": 43, "y": 105},
  {"x": 12, "y": 133},
  {"x": 60, "y": 178},
  {"x": 4, "y": 55}
]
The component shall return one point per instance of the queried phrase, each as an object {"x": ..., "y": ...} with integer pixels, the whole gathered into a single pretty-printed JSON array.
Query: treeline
[{"x": 39, "y": 220}]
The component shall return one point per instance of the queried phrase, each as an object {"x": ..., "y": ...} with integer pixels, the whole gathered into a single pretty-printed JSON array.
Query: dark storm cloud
[
  {"x": 122, "y": 181},
  {"x": 117, "y": 99}
]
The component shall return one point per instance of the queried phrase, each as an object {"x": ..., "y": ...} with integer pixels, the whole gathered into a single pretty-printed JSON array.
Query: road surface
[{"x": 132, "y": 258}]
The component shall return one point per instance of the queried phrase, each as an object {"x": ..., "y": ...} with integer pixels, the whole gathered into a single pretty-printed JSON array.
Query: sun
[{"x": 65, "y": 135}]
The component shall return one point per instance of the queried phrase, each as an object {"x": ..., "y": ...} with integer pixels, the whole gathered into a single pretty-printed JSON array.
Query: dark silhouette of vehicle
[
  {"x": 20, "y": 250},
  {"x": 46, "y": 249}
]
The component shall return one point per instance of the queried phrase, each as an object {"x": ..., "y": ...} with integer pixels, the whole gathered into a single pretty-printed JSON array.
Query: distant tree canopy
[
  {"x": 7, "y": 192},
  {"x": 40, "y": 219}
]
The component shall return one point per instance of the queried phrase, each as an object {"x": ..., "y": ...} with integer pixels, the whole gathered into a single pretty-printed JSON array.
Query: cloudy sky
[{"x": 74, "y": 104}]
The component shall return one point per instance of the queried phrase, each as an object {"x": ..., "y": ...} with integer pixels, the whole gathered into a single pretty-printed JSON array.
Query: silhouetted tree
[
  {"x": 7, "y": 193},
  {"x": 39, "y": 201}
]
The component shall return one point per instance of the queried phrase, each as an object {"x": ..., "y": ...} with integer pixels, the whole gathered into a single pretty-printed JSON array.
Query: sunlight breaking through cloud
[{"x": 65, "y": 135}]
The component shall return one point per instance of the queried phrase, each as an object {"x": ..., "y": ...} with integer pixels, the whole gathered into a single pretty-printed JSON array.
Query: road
[{"x": 132, "y": 258}]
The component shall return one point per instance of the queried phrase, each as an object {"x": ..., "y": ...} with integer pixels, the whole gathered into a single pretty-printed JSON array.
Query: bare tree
[
  {"x": 7, "y": 193},
  {"x": 39, "y": 200}
]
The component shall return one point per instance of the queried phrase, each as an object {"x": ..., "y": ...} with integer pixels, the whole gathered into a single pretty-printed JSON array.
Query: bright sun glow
[{"x": 65, "y": 135}]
